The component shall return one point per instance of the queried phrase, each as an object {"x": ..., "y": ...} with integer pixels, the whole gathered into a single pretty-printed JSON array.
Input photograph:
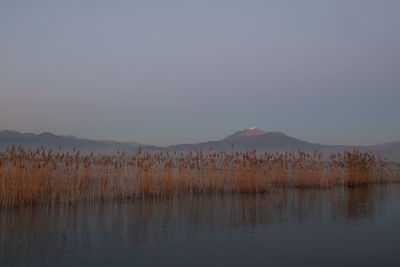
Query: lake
[{"x": 335, "y": 227}]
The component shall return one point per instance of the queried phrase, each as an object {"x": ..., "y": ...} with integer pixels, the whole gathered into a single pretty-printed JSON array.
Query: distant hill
[
  {"x": 52, "y": 141},
  {"x": 249, "y": 139},
  {"x": 390, "y": 150},
  {"x": 256, "y": 139},
  {"x": 246, "y": 139}
]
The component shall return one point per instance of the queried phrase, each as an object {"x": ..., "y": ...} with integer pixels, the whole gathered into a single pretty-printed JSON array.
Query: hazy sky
[{"x": 167, "y": 72}]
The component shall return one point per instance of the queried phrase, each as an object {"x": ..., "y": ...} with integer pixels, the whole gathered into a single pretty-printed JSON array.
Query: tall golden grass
[{"x": 47, "y": 178}]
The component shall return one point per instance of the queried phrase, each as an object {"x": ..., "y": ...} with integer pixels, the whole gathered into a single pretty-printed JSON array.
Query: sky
[{"x": 169, "y": 72}]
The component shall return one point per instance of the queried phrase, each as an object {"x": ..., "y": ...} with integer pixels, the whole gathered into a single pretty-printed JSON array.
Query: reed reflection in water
[{"x": 78, "y": 235}]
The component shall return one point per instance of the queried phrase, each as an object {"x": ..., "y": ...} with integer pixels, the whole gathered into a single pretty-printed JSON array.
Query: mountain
[
  {"x": 256, "y": 139},
  {"x": 253, "y": 138},
  {"x": 245, "y": 139},
  {"x": 52, "y": 141},
  {"x": 249, "y": 139}
]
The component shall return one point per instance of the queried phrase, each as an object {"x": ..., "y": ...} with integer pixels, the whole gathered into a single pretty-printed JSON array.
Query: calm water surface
[{"x": 358, "y": 227}]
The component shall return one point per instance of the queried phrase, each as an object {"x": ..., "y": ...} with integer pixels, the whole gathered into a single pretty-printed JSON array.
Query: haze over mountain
[
  {"x": 67, "y": 143},
  {"x": 245, "y": 139}
]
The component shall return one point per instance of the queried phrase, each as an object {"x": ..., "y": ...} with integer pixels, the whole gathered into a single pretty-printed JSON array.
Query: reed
[{"x": 49, "y": 178}]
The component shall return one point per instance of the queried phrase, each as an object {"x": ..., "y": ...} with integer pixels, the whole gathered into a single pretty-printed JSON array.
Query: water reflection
[{"x": 26, "y": 234}]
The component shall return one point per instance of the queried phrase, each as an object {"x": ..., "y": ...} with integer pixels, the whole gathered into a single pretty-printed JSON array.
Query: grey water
[{"x": 340, "y": 227}]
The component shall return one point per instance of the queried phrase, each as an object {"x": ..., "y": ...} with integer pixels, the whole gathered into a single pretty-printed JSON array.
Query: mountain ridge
[
  {"x": 275, "y": 141},
  {"x": 245, "y": 139},
  {"x": 49, "y": 140}
]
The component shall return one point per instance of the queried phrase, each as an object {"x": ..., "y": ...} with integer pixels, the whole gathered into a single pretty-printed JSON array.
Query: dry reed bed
[{"x": 48, "y": 178}]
